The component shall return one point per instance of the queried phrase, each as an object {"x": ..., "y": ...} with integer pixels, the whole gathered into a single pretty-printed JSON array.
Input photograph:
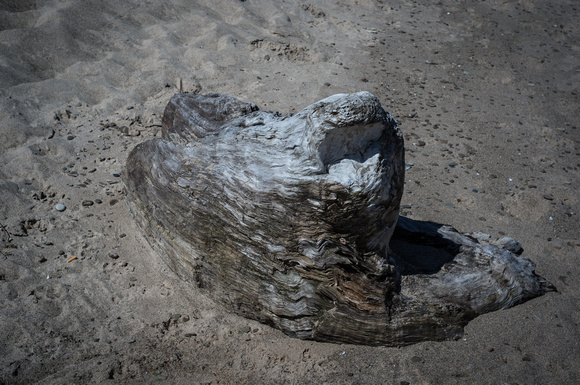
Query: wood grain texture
[{"x": 287, "y": 219}]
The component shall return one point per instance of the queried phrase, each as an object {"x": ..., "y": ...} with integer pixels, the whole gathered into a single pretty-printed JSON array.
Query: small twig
[
  {"x": 9, "y": 237},
  {"x": 7, "y": 232}
]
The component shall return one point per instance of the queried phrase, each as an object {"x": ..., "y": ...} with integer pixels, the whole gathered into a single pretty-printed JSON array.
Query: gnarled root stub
[{"x": 292, "y": 221}]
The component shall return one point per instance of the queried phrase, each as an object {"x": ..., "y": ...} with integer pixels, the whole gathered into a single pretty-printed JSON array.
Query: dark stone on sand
[{"x": 113, "y": 255}]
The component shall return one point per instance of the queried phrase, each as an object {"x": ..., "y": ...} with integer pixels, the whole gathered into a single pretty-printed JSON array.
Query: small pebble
[
  {"x": 114, "y": 255},
  {"x": 87, "y": 203},
  {"x": 98, "y": 201},
  {"x": 60, "y": 207},
  {"x": 116, "y": 175}
]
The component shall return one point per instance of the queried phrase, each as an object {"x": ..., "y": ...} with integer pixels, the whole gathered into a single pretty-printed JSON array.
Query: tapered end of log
[{"x": 290, "y": 219}]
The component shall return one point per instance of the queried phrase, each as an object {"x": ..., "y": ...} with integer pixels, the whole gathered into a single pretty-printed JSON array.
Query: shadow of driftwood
[{"x": 420, "y": 248}]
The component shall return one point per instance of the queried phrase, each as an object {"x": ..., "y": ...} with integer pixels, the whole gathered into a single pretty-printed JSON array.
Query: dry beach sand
[{"x": 486, "y": 93}]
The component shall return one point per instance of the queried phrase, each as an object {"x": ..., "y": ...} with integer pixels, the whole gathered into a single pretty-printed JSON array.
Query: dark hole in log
[{"x": 420, "y": 248}]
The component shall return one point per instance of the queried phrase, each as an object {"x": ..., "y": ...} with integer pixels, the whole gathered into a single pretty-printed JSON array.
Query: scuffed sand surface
[{"x": 486, "y": 94}]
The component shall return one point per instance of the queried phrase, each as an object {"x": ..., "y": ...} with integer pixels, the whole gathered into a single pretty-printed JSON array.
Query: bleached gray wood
[{"x": 287, "y": 219}]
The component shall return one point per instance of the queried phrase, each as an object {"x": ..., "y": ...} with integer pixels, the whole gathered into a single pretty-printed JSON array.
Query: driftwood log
[{"x": 292, "y": 220}]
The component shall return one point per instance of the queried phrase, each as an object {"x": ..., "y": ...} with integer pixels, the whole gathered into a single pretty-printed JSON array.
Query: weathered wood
[{"x": 287, "y": 220}]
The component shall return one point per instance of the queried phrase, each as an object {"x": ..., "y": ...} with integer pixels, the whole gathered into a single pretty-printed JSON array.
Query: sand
[{"x": 486, "y": 94}]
